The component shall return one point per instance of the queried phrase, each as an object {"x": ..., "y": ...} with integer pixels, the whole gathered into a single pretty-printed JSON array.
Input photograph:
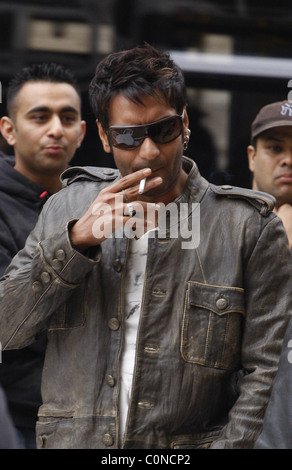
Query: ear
[
  {"x": 251, "y": 154},
  {"x": 82, "y": 133},
  {"x": 185, "y": 119},
  {"x": 103, "y": 138},
  {"x": 7, "y": 129}
]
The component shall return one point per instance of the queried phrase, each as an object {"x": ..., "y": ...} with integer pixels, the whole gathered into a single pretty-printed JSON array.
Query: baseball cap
[{"x": 272, "y": 115}]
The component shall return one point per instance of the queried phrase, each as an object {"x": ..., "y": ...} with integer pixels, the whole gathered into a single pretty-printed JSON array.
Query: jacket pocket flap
[{"x": 217, "y": 299}]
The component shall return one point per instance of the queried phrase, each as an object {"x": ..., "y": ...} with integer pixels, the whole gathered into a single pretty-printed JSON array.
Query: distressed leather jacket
[{"x": 210, "y": 333}]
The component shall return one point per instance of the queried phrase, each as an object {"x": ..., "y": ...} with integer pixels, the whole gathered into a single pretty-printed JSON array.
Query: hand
[
  {"x": 107, "y": 213},
  {"x": 285, "y": 214}
]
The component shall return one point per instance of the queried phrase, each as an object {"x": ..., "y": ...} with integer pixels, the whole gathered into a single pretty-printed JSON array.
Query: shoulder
[
  {"x": 263, "y": 202},
  {"x": 81, "y": 186},
  {"x": 88, "y": 173},
  {"x": 201, "y": 189}
]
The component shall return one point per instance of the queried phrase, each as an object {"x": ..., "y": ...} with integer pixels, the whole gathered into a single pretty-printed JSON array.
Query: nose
[
  {"x": 148, "y": 150},
  {"x": 287, "y": 158},
  {"x": 56, "y": 128}
]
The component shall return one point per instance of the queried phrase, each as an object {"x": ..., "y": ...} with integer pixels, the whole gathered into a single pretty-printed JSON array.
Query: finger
[
  {"x": 144, "y": 219},
  {"x": 129, "y": 180},
  {"x": 133, "y": 193},
  {"x": 141, "y": 210},
  {"x": 129, "y": 210}
]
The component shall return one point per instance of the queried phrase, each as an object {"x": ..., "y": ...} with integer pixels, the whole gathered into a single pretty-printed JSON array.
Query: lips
[
  {"x": 54, "y": 149},
  {"x": 285, "y": 178}
]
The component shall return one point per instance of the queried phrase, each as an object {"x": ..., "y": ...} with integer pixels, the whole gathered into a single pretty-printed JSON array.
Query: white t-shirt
[{"x": 134, "y": 282}]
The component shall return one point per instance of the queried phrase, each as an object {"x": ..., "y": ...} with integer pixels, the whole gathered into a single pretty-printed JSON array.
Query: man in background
[
  {"x": 270, "y": 161},
  {"x": 270, "y": 158},
  {"x": 44, "y": 127}
]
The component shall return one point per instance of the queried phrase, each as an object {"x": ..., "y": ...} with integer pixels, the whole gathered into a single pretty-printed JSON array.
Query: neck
[
  {"x": 254, "y": 186},
  {"x": 170, "y": 194},
  {"x": 51, "y": 182}
]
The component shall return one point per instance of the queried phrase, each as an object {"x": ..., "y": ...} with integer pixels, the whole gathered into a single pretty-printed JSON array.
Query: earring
[{"x": 186, "y": 139}]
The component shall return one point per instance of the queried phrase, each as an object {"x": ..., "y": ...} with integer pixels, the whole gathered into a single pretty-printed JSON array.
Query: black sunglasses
[{"x": 161, "y": 132}]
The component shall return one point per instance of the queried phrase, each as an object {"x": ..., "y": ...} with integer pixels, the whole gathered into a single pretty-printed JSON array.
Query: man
[
  {"x": 270, "y": 157},
  {"x": 276, "y": 433},
  {"x": 44, "y": 127},
  {"x": 151, "y": 343},
  {"x": 270, "y": 160}
]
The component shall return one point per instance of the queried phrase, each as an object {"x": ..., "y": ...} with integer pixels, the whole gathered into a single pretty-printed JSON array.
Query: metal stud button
[
  {"x": 56, "y": 264},
  {"x": 117, "y": 265},
  {"x": 37, "y": 286},
  {"x": 107, "y": 439},
  {"x": 110, "y": 380},
  {"x": 45, "y": 277},
  {"x": 114, "y": 324},
  {"x": 221, "y": 303},
  {"x": 60, "y": 255}
]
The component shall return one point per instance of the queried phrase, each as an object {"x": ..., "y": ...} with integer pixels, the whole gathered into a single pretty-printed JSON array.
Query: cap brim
[{"x": 266, "y": 127}]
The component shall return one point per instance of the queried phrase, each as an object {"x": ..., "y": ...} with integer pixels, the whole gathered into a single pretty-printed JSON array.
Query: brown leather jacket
[{"x": 212, "y": 322}]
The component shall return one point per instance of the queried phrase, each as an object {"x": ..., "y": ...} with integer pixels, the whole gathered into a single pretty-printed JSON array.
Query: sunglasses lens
[
  {"x": 125, "y": 138},
  {"x": 167, "y": 130},
  {"x": 161, "y": 132}
]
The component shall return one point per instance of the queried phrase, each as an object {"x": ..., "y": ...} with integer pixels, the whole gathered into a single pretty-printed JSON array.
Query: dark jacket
[
  {"x": 277, "y": 429},
  {"x": 21, "y": 201},
  {"x": 211, "y": 326},
  {"x": 8, "y": 436}
]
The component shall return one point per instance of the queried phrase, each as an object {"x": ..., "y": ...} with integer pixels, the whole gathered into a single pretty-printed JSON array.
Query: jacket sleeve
[
  {"x": 277, "y": 429},
  {"x": 39, "y": 279},
  {"x": 268, "y": 294}
]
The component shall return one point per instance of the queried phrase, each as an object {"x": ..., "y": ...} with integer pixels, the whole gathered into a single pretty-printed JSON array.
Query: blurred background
[{"x": 235, "y": 54}]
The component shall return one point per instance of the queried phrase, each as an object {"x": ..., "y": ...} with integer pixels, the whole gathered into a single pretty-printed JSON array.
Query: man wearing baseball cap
[
  {"x": 270, "y": 161},
  {"x": 270, "y": 157}
]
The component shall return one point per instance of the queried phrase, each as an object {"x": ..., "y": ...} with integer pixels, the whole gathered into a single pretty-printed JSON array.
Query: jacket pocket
[
  {"x": 72, "y": 313},
  {"x": 54, "y": 432},
  {"x": 194, "y": 441},
  {"x": 212, "y": 323}
]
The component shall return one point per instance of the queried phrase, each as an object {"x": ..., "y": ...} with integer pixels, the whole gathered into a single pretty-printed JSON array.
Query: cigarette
[{"x": 142, "y": 186}]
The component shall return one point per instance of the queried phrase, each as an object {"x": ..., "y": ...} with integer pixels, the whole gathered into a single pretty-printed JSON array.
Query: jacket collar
[
  {"x": 195, "y": 186},
  {"x": 194, "y": 189}
]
